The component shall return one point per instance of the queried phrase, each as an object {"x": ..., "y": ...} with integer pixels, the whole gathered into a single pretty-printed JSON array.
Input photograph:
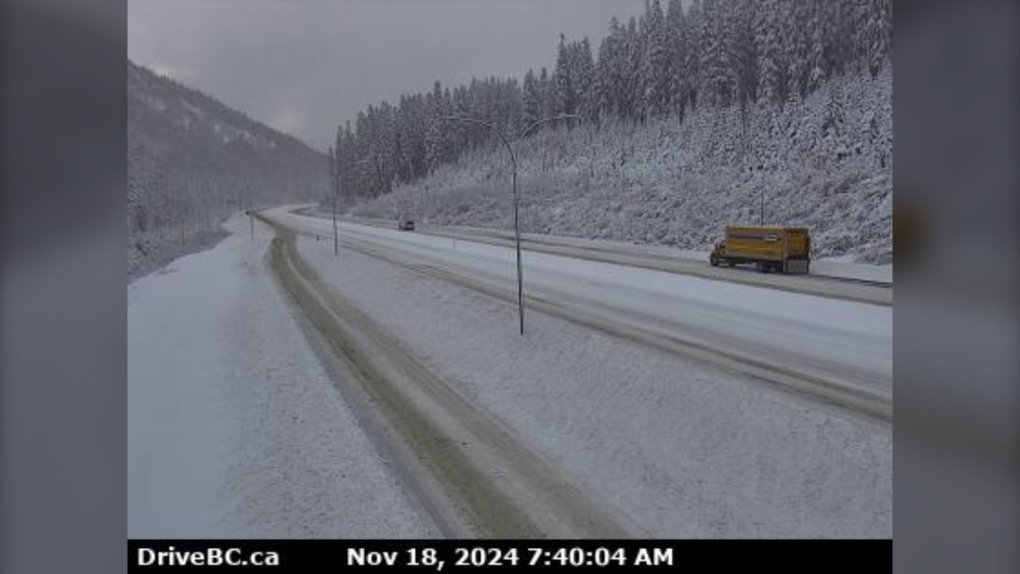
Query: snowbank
[{"x": 234, "y": 430}]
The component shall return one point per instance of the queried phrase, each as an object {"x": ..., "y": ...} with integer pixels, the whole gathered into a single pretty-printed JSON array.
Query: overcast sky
[{"x": 303, "y": 66}]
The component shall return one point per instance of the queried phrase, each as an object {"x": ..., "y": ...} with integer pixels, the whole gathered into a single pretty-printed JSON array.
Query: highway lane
[
  {"x": 835, "y": 350},
  {"x": 876, "y": 289},
  {"x": 469, "y": 472}
]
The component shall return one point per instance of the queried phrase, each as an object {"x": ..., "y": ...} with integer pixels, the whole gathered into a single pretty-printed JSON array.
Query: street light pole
[
  {"x": 517, "y": 228},
  {"x": 334, "y": 172},
  {"x": 336, "y": 194},
  {"x": 513, "y": 161},
  {"x": 520, "y": 267},
  {"x": 336, "y": 241}
]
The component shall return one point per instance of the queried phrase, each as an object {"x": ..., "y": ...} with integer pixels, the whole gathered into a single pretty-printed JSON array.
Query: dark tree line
[{"x": 667, "y": 62}]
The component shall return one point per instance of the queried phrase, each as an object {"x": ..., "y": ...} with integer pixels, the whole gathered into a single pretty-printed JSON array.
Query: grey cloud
[{"x": 306, "y": 65}]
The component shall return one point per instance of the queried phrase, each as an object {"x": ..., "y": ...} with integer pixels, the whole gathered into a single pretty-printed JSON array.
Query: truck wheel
[{"x": 713, "y": 261}]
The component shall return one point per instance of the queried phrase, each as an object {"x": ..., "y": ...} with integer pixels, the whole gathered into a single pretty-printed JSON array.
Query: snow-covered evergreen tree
[
  {"x": 532, "y": 99},
  {"x": 876, "y": 34},
  {"x": 773, "y": 58},
  {"x": 610, "y": 71},
  {"x": 717, "y": 77},
  {"x": 742, "y": 51},
  {"x": 563, "y": 77},
  {"x": 739, "y": 67},
  {"x": 630, "y": 93},
  {"x": 435, "y": 138},
  {"x": 548, "y": 91},
  {"x": 586, "y": 85},
  {"x": 656, "y": 85}
]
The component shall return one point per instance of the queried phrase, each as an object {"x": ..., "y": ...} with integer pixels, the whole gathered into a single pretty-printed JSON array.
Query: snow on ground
[
  {"x": 843, "y": 266},
  {"x": 825, "y": 162},
  {"x": 683, "y": 448},
  {"x": 825, "y": 336},
  {"x": 234, "y": 430}
]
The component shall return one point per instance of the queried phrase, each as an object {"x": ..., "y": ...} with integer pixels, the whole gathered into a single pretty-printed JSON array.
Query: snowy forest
[
  {"x": 688, "y": 116},
  {"x": 193, "y": 161}
]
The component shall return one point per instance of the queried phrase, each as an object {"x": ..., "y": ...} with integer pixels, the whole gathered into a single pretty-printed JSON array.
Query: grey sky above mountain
[{"x": 303, "y": 66}]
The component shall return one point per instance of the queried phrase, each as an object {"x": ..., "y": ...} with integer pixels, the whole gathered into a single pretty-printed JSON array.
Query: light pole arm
[
  {"x": 534, "y": 125},
  {"x": 517, "y": 224},
  {"x": 492, "y": 128}
]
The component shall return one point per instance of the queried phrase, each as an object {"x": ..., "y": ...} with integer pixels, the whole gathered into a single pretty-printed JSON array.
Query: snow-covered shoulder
[{"x": 234, "y": 429}]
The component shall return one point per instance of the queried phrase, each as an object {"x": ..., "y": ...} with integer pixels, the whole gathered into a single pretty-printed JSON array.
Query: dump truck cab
[{"x": 718, "y": 255}]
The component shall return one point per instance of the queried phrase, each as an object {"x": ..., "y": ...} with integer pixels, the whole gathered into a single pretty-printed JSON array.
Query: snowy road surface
[
  {"x": 601, "y": 423},
  {"x": 837, "y": 350},
  {"x": 278, "y": 390},
  {"x": 829, "y": 278}
]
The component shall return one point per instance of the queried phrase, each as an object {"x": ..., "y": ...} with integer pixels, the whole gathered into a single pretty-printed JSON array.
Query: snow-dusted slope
[
  {"x": 825, "y": 162},
  {"x": 192, "y": 161}
]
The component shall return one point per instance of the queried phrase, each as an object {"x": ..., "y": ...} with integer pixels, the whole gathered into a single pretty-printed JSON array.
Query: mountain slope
[
  {"x": 193, "y": 160},
  {"x": 825, "y": 162}
]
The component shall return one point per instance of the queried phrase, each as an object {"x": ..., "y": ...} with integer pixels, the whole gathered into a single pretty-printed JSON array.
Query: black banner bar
[{"x": 313, "y": 556}]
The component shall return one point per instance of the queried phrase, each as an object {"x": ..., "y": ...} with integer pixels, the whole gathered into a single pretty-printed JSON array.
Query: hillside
[
  {"x": 825, "y": 162},
  {"x": 682, "y": 120},
  {"x": 193, "y": 160}
]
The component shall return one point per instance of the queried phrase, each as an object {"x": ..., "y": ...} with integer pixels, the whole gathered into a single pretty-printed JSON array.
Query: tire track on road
[
  {"x": 475, "y": 478},
  {"x": 841, "y": 288},
  {"x": 872, "y": 402}
]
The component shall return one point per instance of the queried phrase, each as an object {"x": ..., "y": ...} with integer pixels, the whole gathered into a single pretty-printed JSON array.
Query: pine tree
[
  {"x": 587, "y": 90},
  {"x": 717, "y": 77},
  {"x": 609, "y": 71},
  {"x": 741, "y": 50},
  {"x": 876, "y": 34},
  {"x": 630, "y": 66},
  {"x": 435, "y": 140},
  {"x": 345, "y": 150},
  {"x": 548, "y": 91},
  {"x": 693, "y": 46},
  {"x": 655, "y": 62},
  {"x": 676, "y": 38},
  {"x": 510, "y": 103},
  {"x": 564, "y": 77},
  {"x": 804, "y": 31},
  {"x": 773, "y": 61}
]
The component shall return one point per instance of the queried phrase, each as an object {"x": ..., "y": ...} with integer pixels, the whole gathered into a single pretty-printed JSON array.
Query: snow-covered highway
[
  {"x": 278, "y": 390},
  {"x": 835, "y": 350},
  {"x": 847, "y": 281}
]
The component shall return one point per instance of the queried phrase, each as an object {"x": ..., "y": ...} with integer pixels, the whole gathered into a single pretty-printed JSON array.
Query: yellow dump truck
[{"x": 781, "y": 249}]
